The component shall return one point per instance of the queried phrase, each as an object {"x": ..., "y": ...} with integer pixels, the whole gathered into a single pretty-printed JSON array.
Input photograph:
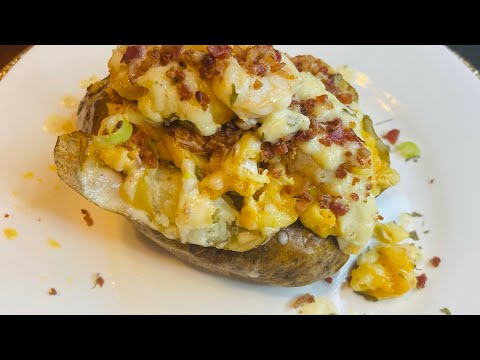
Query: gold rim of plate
[{"x": 4, "y": 71}]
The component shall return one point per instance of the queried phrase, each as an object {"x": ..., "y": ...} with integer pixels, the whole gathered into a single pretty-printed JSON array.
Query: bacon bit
[
  {"x": 333, "y": 137},
  {"x": 176, "y": 74},
  {"x": 324, "y": 201},
  {"x": 203, "y": 99},
  {"x": 148, "y": 155},
  {"x": 221, "y": 52},
  {"x": 52, "y": 292},
  {"x": 338, "y": 208},
  {"x": 421, "y": 281},
  {"x": 184, "y": 92},
  {"x": 87, "y": 217},
  {"x": 345, "y": 98},
  {"x": 132, "y": 53},
  {"x": 168, "y": 54},
  {"x": 98, "y": 281},
  {"x": 435, "y": 261},
  {"x": 304, "y": 299},
  {"x": 258, "y": 85},
  {"x": 306, "y": 135},
  {"x": 354, "y": 197},
  {"x": 341, "y": 172},
  {"x": 280, "y": 148},
  {"x": 6, "y": 216},
  {"x": 328, "y": 280},
  {"x": 392, "y": 136},
  {"x": 307, "y": 106}
]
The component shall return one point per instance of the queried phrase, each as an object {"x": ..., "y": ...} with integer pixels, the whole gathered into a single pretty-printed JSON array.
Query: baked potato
[{"x": 261, "y": 169}]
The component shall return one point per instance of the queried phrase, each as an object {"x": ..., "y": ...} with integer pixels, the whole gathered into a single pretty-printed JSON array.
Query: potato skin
[{"x": 304, "y": 259}]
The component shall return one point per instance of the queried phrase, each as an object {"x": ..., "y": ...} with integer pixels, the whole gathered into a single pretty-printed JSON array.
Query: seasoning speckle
[
  {"x": 87, "y": 217},
  {"x": 54, "y": 244},
  {"x": 10, "y": 233},
  {"x": 52, "y": 292},
  {"x": 98, "y": 281}
]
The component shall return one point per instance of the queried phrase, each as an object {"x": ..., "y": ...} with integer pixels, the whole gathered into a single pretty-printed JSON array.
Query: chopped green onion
[
  {"x": 446, "y": 311},
  {"x": 413, "y": 235},
  {"x": 408, "y": 150},
  {"x": 114, "y": 138}
]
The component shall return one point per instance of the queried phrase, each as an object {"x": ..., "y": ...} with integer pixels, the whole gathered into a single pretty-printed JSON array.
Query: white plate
[{"x": 432, "y": 97}]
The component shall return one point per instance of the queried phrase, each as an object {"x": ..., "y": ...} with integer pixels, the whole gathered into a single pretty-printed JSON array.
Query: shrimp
[{"x": 252, "y": 96}]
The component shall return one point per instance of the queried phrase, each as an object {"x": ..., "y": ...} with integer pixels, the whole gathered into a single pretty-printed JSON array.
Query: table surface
[{"x": 469, "y": 52}]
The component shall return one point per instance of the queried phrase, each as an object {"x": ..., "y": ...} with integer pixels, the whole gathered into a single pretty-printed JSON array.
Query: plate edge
[{"x": 4, "y": 71}]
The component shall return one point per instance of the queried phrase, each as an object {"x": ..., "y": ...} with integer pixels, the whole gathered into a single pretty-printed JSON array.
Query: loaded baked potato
[{"x": 239, "y": 160}]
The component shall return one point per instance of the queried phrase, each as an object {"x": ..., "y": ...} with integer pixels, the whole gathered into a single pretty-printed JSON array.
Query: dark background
[{"x": 469, "y": 52}]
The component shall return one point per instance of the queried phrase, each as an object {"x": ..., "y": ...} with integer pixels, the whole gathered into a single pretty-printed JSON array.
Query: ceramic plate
[{"x": 429, "y": 93}]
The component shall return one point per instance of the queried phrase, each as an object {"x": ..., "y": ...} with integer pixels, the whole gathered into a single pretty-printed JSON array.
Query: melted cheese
[{"x": 282, "y": 123}]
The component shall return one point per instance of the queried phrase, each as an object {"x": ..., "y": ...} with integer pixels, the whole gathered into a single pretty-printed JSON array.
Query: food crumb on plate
[
  {"x": 54, "y": 244},
  {"x": 446, "y": 311},
  {"x": 435, "y": 261},
  {"x": 320, "y": 306},
  {"x": 421, "y": 281},
  {"x": 299, "y": 301},
  {"x": 10, "y": 233},
  {"x": 98, "y": 281},
  {"x": 52, "y": 292},
  {"x": 86, "y": 216}
]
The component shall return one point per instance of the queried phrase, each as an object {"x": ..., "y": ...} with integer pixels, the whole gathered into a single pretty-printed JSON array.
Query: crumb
[
  {"x": 435, "y": 261},
  {"x": 328, "y": 280},
  {"x": 52, "y": 292},
  {"x": 87, "y": 217},
  {"x": 10, "y": 233},
  {"x": 306, "y": 298},
  {"x": 98, "y": 281},
  {"x": 421, "y": 281},
  {"x": 28, "y": 175}
]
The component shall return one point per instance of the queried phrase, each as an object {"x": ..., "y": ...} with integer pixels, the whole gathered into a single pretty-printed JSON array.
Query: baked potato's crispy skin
[{"x": 306, "y": 257}]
